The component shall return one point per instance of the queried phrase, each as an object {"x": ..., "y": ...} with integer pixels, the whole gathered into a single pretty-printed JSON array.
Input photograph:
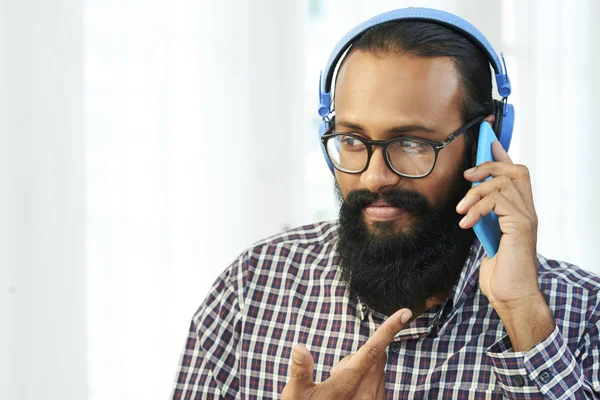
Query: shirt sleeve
[
  {"x": 550, "y": 370},
  {"x": 208, "y": 367}
]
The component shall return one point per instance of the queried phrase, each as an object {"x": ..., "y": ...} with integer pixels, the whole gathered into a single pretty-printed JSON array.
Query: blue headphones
[{"x": 504, "y": 112}]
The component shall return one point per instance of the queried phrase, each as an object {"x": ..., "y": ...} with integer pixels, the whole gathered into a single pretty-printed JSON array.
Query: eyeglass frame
[{"x": 435, "y": 144}]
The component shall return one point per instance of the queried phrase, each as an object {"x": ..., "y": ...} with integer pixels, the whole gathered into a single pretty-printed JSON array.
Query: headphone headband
[{"x": 420, "y": 14}]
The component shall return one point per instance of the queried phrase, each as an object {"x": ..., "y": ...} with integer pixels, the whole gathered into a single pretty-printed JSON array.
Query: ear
[{"x": 490, "y": 118}]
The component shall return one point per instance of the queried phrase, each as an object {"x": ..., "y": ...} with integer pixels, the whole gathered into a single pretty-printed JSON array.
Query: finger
[
  {"x": 491, "y": 202},
  {"x": 340, "y": 365},
  {"x": 375, "y": 347},
  {"x": 368, "y": 387},
  {"x": 479, "y": 173},
  {"x": 518, "y": 173},
  {"x": 500, "y": 153},
  {"x": 381, "y": 364},
  {"x": 301, "y": 372},
  {"x": 346, "y": 380},
  {"x": 381, "y": 395},
  {"x": 502, "y": 184},
  {"x": 344, "y": 385},
  {"x": 514, "y": 220}
]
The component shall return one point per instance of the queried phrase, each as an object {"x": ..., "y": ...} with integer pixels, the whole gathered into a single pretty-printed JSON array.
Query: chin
[{"x": 390, "y": 227}]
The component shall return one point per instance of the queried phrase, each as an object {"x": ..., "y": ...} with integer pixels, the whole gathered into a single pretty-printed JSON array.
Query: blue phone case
[{"x": 487, "y": 228}]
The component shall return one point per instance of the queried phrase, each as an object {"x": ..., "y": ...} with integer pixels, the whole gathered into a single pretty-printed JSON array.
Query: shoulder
[
  {"x": 287, "y": 252},
  {"x": 265, "y": 265},
  {"x": 573, "y": 295},
  {"x": 560, "y": 276},
  {"x": 317, "y": 234},
  {"x": 313, "y": 238}
]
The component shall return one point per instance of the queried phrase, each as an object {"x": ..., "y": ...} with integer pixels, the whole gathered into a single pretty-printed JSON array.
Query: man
[{"x": 397, "y": 299}]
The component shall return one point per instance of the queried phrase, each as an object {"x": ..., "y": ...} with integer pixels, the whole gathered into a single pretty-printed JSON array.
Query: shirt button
[
  {"x": 395, "y": 347},
  {"x": 545, "y": 376},
  {"x": 517, "y": 380}
]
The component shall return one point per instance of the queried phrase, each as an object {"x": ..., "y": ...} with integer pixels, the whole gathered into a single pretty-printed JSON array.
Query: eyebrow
[{"x": 389, "y": 131}]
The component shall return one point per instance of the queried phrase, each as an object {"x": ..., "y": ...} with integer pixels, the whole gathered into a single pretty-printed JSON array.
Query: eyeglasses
[{"x": 406, "y": 156}]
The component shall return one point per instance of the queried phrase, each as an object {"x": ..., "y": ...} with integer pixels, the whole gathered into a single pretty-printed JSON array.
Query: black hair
[{"x": 429, "y": 39}]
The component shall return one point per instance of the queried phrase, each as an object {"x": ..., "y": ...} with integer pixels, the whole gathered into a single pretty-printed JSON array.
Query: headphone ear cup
[
  {"x": 508, "y": 122},
  {"x": 324, "y": 127},
  {"x": 503, "y": 122},
  {"x": 497, "y": 126}
]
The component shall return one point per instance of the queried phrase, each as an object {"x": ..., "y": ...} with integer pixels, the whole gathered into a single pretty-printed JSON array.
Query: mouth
[{"x": 382, "y": 211}]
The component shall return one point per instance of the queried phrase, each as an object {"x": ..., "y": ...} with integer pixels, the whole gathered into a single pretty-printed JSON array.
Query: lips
[
  {"x": 380, "y": 203},
  {"x": 382, "y": 211}
]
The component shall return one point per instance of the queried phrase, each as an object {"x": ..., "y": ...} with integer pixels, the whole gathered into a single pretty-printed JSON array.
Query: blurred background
[{"x": 146, "y": 143}]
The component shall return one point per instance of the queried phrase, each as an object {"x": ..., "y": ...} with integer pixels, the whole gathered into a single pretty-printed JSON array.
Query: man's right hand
[{"x": 360, "y": 375}]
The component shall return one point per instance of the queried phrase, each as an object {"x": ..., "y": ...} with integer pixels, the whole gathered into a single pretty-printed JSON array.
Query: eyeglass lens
[{"x": 408, "y": 157}]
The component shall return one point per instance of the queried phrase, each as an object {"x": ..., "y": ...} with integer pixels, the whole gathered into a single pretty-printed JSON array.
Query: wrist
[
  {"x": 528, "y": 321},
  {"x": 520, "y": 307}
]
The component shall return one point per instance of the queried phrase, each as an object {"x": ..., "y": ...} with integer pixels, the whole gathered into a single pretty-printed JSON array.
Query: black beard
[{"x": 389, "y": 270}]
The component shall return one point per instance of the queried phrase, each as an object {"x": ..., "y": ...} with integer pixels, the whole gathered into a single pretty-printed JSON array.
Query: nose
[{"x": 378, "y": 176}]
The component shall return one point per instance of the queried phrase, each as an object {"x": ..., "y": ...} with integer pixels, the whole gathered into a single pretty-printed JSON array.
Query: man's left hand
[{"x": 510, "y": 279}]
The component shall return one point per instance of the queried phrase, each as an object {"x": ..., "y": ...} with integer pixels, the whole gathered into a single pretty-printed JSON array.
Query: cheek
[
  {"x": 344, "y": 182},
  {"x": 347, "y": 182},
  {"x": 447, "y": 175}
]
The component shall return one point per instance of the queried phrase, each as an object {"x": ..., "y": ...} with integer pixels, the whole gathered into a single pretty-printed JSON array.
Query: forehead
[{"x": 388, "y": 89}]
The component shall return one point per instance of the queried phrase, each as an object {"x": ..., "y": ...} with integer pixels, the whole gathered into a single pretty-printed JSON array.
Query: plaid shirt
[{"x": 288, "y": 290}]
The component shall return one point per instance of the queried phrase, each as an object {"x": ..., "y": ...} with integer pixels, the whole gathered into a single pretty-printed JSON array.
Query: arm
[
  {"x": 532, "y": 360},
  {"x": 208, "y": 366},
  {"x": 195, "y": 378},
  {"x": 550, "y": 367}
]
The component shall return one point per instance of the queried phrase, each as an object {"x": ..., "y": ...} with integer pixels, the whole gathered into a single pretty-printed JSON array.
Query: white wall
[
  {"x": 42, "y": 270},
  {"x": 7, "y": 200}
]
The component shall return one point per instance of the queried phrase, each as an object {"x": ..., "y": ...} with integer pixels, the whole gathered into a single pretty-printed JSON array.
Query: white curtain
[
  {"x": 43, "y": 350},
  {"x": 146, "y": 143},
  {"x": 194, "y": 111},
  {"x": 553, "y": 46}
]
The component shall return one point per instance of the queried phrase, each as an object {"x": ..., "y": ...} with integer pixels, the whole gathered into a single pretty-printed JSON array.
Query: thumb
[{"x": 301, "y": 370}]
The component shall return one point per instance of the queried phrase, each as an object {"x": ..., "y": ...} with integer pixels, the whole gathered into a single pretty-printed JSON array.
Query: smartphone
[{"x": 487, "y": 228}]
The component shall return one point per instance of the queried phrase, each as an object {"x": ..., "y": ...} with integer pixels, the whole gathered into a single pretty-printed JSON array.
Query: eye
[
  {"x": 350, "y": 143},
  {"x": 412, "y": 147}
]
